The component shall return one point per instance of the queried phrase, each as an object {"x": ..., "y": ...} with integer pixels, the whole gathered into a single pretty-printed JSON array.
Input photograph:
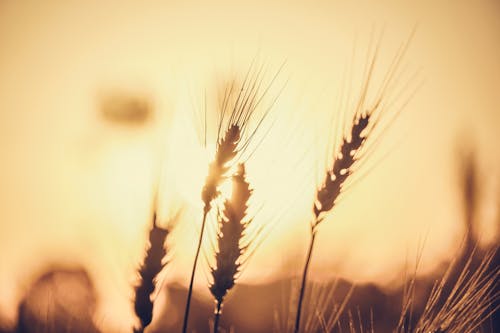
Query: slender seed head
[
  {"x": 341, "y": 168},
  {"x": 235, "y": 140},
  {"x": 226, "y": 151},
  {"x": 150, "y": 268},
  {"x": 229, "y": 238}
]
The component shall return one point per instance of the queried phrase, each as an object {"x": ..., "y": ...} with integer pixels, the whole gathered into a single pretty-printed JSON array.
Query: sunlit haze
[{"x": 78, "y": 180}]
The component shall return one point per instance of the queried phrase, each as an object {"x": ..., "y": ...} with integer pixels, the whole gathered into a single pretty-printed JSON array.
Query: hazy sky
[{"x": 76, "y": 188}]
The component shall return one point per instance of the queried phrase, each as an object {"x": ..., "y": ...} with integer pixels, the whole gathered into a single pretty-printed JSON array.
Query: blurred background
[{"x": 98, "y": 99}]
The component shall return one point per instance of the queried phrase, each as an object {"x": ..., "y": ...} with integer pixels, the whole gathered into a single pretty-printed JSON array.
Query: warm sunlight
[{"x": 107, "y": 107}]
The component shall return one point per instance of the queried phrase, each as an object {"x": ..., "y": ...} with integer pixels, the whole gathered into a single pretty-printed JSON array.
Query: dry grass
[
  {"x": 323, "y": 308},
  {"x": 468, "y": 304}
]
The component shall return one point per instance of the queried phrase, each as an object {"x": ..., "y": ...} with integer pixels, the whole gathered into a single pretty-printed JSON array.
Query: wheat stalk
[
  {"x": 352, "y": 149},
  {"x": 153, "y": 263},
  {"x": 231, "y": 247},
  {"x": 329, "y": 192},
  {"x": 231, "y": 144}
]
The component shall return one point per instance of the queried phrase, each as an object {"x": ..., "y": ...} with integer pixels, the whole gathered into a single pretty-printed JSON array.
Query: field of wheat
[{"x": 250, "y": 167}]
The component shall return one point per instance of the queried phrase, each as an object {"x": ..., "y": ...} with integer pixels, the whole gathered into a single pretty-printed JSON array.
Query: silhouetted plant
[
  {"x": 351, "y": 151},
  {"x": 153, "y": 263},
  {"x": 233, "y": 138},
  {"x": 231, "y": 247}
]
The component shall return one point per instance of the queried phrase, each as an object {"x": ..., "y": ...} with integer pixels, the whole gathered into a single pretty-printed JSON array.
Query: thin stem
[
  {"x": 191, "y": 283},
  {"x": 217, "y": 314},
  {"x": 304, "y": 280}
]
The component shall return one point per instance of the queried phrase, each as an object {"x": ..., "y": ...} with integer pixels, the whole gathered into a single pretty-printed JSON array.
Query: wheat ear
[
  {"x": 352, "y": 150},
  {"x": 329, "y": 192},
  {"x": 152, "y": 265},
  {"x": 231, "y": 247},
  {"x": 234, "y": 141},
  {"x": 217, "y": 170},
  {"x": 226, "y": 152}
]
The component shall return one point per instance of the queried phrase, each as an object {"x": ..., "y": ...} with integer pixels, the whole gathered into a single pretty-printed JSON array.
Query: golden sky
[{"x": 76, "y": 188}]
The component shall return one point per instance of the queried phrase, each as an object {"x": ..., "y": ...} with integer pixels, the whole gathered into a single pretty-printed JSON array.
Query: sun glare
[{"x": 105, "y": 108}]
